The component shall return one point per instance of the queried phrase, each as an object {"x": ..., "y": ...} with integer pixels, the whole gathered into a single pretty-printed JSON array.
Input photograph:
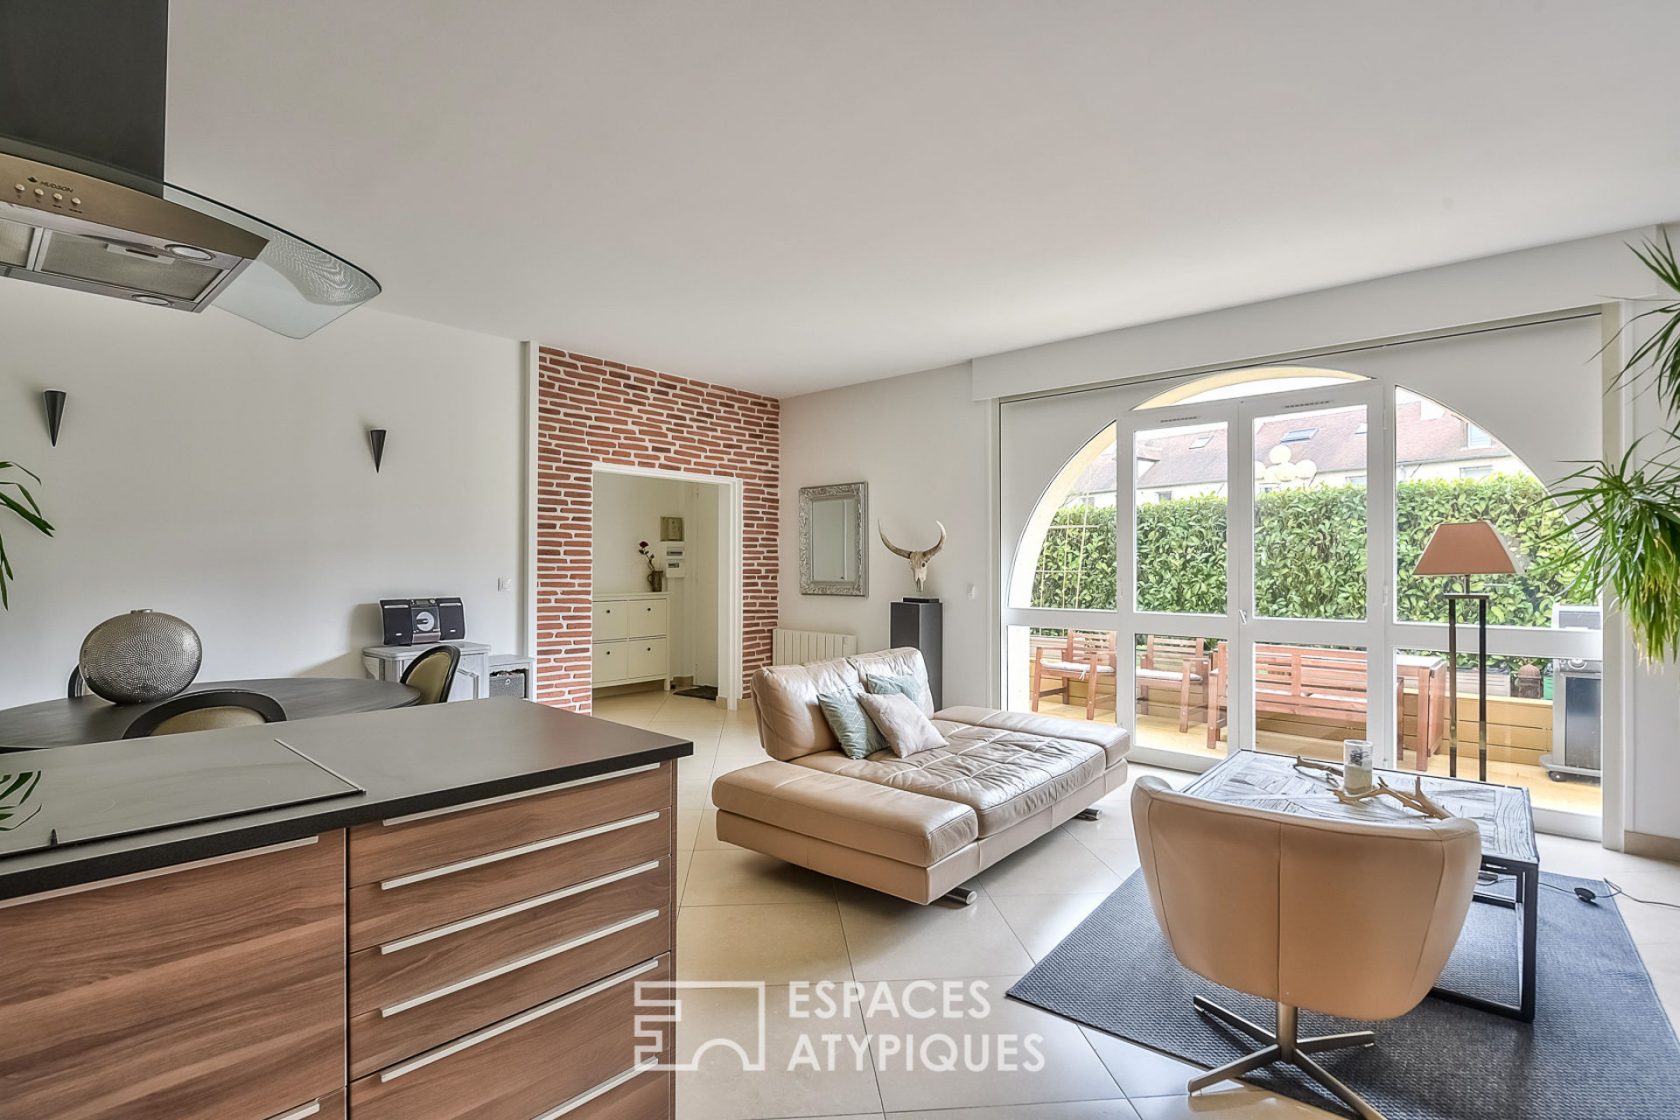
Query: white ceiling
[{"x": 787, "y": 195}]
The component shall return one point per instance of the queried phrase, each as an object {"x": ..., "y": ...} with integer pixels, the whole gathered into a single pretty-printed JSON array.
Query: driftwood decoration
[
  {"x": 918, "y": 557},
  {"x": 1415, "y": 800}
]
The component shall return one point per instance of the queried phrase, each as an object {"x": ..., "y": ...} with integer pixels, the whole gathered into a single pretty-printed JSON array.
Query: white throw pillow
[{"x": 901, "y": 722}]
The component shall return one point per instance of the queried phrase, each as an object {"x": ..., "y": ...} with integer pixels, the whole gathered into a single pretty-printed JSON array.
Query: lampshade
[{"x": 1472, "y": 548}]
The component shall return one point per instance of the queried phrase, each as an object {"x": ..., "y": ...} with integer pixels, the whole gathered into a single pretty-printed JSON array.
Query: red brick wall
[{"x": 592, "y": 411}]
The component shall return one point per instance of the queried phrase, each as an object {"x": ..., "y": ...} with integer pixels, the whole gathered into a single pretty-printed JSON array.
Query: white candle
[{"x": 1356, "y": 765}]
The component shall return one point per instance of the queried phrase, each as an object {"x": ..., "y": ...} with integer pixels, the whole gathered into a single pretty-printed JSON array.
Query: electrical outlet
[{"x": 973, "y": 592}]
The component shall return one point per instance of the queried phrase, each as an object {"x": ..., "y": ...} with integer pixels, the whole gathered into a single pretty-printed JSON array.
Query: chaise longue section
[{"x": 916, "y": 826}]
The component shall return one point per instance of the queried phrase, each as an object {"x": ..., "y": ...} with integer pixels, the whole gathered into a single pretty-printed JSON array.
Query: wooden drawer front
[
  {"x": 384, "y": 851},
  {"x": 634, "y": 1094},
  {"x": 612, "y": 621},
  {"x": 521, "y": 1067},
  {"x": 421, "y": 991},
  {"x": 330, "y": 1107},
  {"x": 647, "y": 657},
  {"x": 649, "y": 618},
  {"x": 381, "y": 912},
  {"x": 611, "y": 663},
  {"x": 213, "y": 991}
]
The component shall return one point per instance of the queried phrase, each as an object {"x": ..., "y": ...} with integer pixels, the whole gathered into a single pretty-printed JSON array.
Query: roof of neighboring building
[{"x": 1427, "y": 433}]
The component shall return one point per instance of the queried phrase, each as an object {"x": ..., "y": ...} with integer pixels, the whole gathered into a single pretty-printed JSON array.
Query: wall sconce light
[
  {"x": 55, "y": 412},
  {"x": 376, "y": 439}
]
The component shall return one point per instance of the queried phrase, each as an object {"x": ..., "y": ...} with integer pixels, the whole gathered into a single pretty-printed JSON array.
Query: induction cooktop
[{"x": 58, "y": 796}]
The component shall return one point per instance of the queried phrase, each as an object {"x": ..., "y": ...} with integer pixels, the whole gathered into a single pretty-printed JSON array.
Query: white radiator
[{"x": 797, "y": 647}]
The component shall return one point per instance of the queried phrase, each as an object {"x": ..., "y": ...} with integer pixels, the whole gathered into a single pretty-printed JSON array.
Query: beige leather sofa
[{"x": 915, "y": 827}]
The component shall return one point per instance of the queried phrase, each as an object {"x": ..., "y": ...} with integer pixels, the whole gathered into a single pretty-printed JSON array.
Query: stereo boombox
[{"x": 418, "y": 622}]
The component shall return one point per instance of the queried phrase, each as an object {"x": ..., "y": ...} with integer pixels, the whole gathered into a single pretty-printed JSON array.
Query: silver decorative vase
[{"x": 140, "y": 657}]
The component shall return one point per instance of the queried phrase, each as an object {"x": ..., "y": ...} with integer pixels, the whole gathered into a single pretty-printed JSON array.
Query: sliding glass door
[{"x": 1254, "y": 568}]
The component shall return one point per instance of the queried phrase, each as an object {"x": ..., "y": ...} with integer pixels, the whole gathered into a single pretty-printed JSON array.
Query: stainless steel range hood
[{"x": 83, "y": 203}]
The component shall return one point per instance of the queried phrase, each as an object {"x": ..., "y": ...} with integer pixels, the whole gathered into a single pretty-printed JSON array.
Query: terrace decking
[{"x": 1519, "y": 732}]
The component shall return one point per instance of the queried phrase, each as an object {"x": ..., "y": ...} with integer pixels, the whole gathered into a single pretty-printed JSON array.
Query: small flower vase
[
  {"x": 1356, "y": 765},
  {"x": 656, "y": 581}
]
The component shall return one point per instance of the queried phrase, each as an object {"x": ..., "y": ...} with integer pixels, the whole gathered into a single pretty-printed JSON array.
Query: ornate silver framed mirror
[{"x": 833, "y": 549}]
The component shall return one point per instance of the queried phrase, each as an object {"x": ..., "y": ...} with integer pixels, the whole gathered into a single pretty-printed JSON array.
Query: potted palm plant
[
  {"x": 16, "y": 498},
  {"x": 1624, "y": 516}
]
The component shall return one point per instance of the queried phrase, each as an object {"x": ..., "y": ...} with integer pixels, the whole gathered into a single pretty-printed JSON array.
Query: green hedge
[{"x": 1310, "y": 549}]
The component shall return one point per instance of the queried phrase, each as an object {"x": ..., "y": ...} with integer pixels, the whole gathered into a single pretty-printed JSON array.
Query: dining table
[{"x": 89, "y": 719}]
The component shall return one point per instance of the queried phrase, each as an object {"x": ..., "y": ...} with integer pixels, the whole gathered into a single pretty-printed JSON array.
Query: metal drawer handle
[
  {"x": 523, "y": 962},
  {"x": 468, "y": 1041},
  {"x": 489, "y": 916},
  {"x": 514, "y": 853},
  {"x": 600, "y": 1090},
  {"x": 506, "y": 797},
  {"x": 309, "y": 1109}
]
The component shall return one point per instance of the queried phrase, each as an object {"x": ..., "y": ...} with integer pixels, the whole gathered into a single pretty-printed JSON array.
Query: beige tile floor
[{"x": 745, "y": 917}]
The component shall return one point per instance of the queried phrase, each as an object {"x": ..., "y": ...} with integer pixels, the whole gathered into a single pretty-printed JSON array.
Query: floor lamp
[{"x": 1463, "y": 550}]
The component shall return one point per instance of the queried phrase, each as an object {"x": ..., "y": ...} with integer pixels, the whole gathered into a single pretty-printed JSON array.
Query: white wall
[
  {"x": 1512, "y": 285},
  {"x": 700, "y": 585},
  {"x": 627, "y": 510},
  {"x": 220, "y": 472},
  {"x": 924, "y": 446},
  {"x": 1652, "y": 704}
]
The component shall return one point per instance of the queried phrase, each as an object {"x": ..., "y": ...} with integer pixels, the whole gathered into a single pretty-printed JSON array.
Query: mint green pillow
[
  {"x": 858, "y": 735},
  {"x": 908, "y": 686}
]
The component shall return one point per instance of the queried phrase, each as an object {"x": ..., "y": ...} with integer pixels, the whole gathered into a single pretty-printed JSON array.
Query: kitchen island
[{"x": 418, "y": 914}]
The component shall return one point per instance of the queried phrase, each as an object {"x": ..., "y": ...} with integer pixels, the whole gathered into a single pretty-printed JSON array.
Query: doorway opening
[{"x": 665, "y": 588}]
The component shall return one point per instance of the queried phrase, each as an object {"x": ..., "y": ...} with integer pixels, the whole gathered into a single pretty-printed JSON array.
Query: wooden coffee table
[{"x": 1271, "y": 782}]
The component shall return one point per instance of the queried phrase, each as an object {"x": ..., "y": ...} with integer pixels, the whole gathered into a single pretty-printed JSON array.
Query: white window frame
[{"x": 1381, "y": 633}]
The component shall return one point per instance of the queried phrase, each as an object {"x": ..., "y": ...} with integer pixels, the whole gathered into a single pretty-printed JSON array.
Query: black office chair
[
  {"x": 206, "y": 711},
  {"x": 433, "y": 672}
]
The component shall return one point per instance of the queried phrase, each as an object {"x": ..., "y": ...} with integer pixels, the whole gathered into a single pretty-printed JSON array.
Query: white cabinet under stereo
[
  {"x": 632, "y": 635},
  {"x": 472, "y": 673}
]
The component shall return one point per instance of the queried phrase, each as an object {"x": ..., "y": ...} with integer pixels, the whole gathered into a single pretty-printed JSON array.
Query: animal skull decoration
[{"x": 918, "y": 557}]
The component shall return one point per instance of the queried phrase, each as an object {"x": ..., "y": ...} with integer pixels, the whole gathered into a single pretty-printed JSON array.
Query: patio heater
[{"x": 1463, "y": 550}]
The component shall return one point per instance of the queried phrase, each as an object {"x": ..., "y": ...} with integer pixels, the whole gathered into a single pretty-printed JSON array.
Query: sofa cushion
[
  {"x": 916, "y": 688},
  {"x": 904, "y": 661},
  {"x": 790, "y": 718},
  {"x": 902, "y": 723},
  {"x": 857, "y": 733},
  {"x": 1076, "y": 668},
  {"x": 1114, "y": 741},
  {"x": 893, "y": 823},
  {"x": 1004, "y": 775}
]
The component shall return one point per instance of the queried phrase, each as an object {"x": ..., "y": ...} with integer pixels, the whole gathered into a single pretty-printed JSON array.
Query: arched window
[
  {"x": 1226, "y": 563},
  {"x": 1449, "y": 469},
  {"x": 1067, "y": 557},
  {"x": 1247, "y": 383}
]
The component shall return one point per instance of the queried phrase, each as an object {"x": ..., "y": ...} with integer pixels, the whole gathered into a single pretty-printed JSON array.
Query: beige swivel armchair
[{"x": 1343, "y": 918}]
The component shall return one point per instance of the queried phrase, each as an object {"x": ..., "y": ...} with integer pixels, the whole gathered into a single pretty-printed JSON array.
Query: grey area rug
[{"x": 1600, "y": 1046}]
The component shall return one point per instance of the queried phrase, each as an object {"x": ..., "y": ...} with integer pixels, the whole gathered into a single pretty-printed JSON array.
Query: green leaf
[{"x": 22, "y": 503}]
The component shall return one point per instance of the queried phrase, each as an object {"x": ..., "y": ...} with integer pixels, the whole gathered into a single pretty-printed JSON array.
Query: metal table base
[{"x": 1526, "y": 902}]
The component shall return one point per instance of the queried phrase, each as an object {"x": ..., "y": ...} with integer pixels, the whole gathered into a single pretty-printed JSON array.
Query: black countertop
[{"x": 406, "y": 760}]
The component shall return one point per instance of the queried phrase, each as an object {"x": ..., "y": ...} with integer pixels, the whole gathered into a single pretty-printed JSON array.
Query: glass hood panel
[{"x": 72, "y": 223}]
